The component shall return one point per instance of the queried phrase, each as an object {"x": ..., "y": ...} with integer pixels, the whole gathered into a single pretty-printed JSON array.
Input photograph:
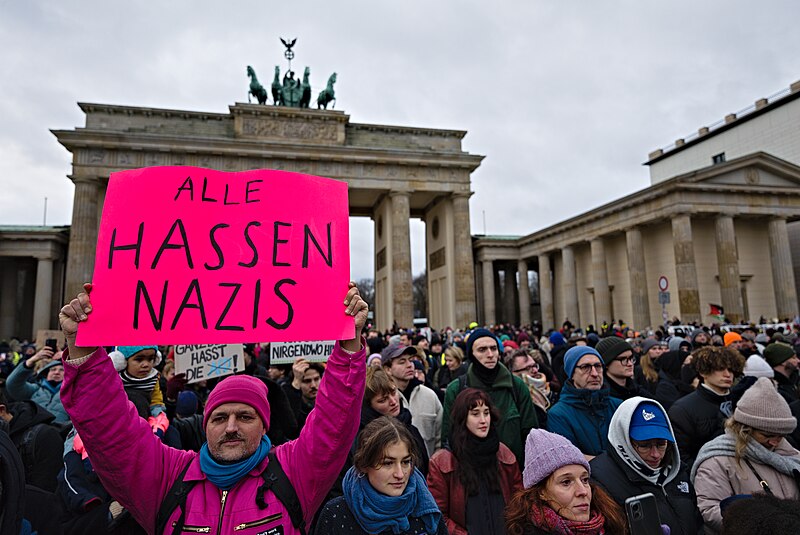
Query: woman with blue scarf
[{"x": 383, "y": 492}]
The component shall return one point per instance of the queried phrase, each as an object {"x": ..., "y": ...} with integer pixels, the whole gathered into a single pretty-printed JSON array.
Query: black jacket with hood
[
  {"x": 673, "y": 490},
  {"x": 39, "y": 443}
]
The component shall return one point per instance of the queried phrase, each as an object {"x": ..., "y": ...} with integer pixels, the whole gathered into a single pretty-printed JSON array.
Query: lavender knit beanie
[{"x": 545, "y": 453}]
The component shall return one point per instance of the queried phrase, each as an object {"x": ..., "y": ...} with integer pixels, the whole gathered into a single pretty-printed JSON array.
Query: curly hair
[
  {"x": 469, "y": 475},
  {"x": 518, "y": 511},
  {"x": 709, "y": 359}
]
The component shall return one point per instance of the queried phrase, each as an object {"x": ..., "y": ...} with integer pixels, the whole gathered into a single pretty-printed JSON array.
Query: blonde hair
[
  {"x": 743, "y": 434},
  {"x": 648, "y": 369},
  {"x": 378, "y": 383},
  {"x": 454, "y": 352}
]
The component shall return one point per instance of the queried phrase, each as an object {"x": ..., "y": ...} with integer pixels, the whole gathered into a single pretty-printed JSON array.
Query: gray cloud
[{"x": 565, "y": 99}]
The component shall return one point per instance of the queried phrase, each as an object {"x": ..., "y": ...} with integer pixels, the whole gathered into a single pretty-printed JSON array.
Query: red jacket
[{"x": 449, "y": 493}]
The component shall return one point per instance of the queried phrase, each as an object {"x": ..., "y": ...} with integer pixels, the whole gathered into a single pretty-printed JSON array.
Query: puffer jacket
[
  {"x": 449, "y": 493},
  {"x": 124, "y": 447},
  {"x": 698, "y": 418},
  {"x": 719, "y": 477},
  {"x": 583, "y": 417},
  {"x": 21, "y": 390}
]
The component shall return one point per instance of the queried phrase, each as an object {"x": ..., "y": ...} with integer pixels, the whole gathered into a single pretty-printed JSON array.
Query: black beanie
[
  {"x": 480, "y": 333},
  {"x": 611, "y": 347}
]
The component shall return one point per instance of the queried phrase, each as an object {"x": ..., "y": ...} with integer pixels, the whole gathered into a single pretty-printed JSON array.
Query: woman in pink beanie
[{"x": 558, "y": 497}]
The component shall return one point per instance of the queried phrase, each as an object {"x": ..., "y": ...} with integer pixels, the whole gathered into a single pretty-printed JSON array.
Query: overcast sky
[{"x": 564, "y": 98}]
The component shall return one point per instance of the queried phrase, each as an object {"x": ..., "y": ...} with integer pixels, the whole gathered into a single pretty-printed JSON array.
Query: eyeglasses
[
  {"x": 586, "y": 368},
  {"x": 625, "y": 360},
  {"x": 532, "y": 368},
  {"x": 645, "y": 447}
]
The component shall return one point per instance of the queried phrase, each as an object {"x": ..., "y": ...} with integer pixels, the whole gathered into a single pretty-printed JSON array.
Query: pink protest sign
[{"x": 194, "y": 256}]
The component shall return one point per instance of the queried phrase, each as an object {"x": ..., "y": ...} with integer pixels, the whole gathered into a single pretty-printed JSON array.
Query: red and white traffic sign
[{"x": 663, "y": 283}]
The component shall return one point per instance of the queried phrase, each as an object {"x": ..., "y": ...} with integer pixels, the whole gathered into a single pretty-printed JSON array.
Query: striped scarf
[{"x": 147, "y": 384}]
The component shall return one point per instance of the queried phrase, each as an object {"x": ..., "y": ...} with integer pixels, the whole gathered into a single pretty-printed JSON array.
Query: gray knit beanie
[
  {"x": 545, "y": 453},
  {"x": 762, "y": 408}
]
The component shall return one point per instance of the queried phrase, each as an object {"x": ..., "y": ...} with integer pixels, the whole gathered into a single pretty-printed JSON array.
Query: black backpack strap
[
  {"x": 27, "y": 447},
  {"x": 276, "y": 480},
  {"x": 176, "y": 497},
  {"x": 462, "y": 382}
]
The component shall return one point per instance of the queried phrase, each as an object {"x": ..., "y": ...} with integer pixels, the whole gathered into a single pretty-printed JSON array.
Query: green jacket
[{"x": 517, "y": 419}]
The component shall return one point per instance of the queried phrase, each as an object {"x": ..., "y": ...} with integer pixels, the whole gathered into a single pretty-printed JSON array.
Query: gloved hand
[{"x": 175, "y": 386}]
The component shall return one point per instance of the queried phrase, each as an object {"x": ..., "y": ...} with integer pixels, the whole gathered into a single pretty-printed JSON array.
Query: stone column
[
  {"x": 730, "y": 284},
  {"x": 570, "y": 285},
  {"x": 82, "y": 236},
  {"x": 688, "y": 292},
  {"x": 464, "y": 265},
  {"x": 782, "y": 270},
  {"x": 402, "y": 294},
  {"x": 524, "y": 293},
  {"x": 488, "y": 293},
  {"x": 546, "y": 292},
  {"x": 42, "y": 313},
  {"x": 8, "y": 296},
  {"x": 602, "y": 295},
  {"x": 509, "y": 295},
  {"x": 636, "y": 268}
]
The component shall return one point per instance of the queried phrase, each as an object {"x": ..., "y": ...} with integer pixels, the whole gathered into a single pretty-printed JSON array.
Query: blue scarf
[
  {"x": 52, "y": 388},
  {"x": 225, "y": 476},
  {"x": 376, "y": 512}
]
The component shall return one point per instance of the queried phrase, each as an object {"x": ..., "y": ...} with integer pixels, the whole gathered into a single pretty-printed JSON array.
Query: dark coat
[
  {"x": 696, "y": 419},
  {"x": 337, "y": 519},
  {"x": 630, "y": 390},
  {"x": 676, "y": 501},
  {"x": 787, "y": 387},
  {"x": 48, "y": 446}
]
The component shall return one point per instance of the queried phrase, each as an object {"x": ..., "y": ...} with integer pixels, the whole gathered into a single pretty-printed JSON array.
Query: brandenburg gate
[{"x": 393, "y": 173}]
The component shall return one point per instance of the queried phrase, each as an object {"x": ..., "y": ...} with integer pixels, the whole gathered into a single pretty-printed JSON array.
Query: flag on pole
[{"x": 716, "y": 311}]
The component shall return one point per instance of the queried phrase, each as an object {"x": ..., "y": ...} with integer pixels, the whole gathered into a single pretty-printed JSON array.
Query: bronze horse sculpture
[
  {"x": 256, "y": 89},
  {"x": 277, "y": 89},
  {"x": 305, "y": 100},
  {"x": 327, "y": 95}
]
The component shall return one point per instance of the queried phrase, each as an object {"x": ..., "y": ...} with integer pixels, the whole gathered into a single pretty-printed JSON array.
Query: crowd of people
[{"x": 482, "y": 430}]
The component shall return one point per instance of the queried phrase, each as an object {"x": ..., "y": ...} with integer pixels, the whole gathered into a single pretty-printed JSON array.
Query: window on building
[{"x": 718, "y": 158}]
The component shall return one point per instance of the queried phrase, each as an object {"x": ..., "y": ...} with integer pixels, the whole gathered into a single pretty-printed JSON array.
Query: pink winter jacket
[{"x": 138, "y": 469}]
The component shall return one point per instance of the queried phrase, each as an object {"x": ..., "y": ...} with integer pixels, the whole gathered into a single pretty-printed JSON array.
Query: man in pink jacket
[{"x": 138, "y": 470}]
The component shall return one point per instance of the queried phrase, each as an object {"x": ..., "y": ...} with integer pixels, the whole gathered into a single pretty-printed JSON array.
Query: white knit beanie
[
  {"x": 756, "y": 366},
  {"x": 762, "y": 408}
]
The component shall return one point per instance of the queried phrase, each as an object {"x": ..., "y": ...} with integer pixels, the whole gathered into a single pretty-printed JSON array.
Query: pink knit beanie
[
  {"x": 545, "y": 453},
  {"x": 239, "y": 389},
  {"x": 763, "y": 408}
]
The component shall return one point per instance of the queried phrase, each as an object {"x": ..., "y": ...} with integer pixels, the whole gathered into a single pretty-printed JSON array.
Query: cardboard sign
[
  {"x": 287, "y": 353},
  {"x": 201, "y": 362},
  {"x": 188, "y": 255}
]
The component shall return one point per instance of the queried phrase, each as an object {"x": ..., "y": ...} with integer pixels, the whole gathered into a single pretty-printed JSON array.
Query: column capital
[
  {"x": 399, "y": 193},
  {"x": 462, "y": 194}
]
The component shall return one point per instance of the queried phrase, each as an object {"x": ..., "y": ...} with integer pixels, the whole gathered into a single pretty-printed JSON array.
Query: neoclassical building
[
  {"x": 393, "y": 173},
  {"x": 715, "y": 227}
]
